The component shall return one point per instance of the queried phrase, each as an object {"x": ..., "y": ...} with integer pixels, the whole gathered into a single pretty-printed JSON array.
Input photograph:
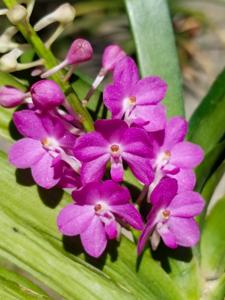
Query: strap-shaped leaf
[
  {"x": 212, "y": 159},
  {"x": 155, "y": 44},
  {"x": 29, "y": 239},
  {"x": 206, "y": 126},
  {"x": 15, "y": 286},
  {"x": 213, "y": 242}
]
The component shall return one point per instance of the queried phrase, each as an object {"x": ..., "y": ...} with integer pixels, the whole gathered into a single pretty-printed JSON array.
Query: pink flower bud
[
  {"x": 11, "y": 97},
  {"x": 80, "y": 51},
  {"x": 46, "y": 94},
  {"x": 111, "y": 56}
]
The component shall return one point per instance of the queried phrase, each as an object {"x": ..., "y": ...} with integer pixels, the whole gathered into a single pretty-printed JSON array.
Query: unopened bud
[
  {"x": 46, "y": 94},
  {"x": 111, "y": 56},
  {"x": 17, "y": 14},
  {"x": 11, "y": 97},
  {"x": 80, "y": 51},
  {"x": 8, "y": 62},
  {"x": 64, "y": 14}
]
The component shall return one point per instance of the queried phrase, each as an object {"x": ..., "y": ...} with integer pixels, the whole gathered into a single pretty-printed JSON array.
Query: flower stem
[
  {"x": 142, "y": 195},
  {"x": 50, "y": 61}
]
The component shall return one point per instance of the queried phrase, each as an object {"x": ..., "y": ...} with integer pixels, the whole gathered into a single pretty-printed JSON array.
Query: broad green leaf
[
  {"x": 30, "y": 240},
  {"x": 155, "y": 44},
  {"x": 215, "y": 289},
  {"x": 211, "y": 160},
  {"x": 6, "y": 114},
  {"x": 213, "y": 242},
  {"x": 212, "y": 182},
  {"x": 209, "y": 189},
  {"x": 186, "y": 275},
  {"x": 15, "y": 286},
  {"x": 206, "y": 126}
]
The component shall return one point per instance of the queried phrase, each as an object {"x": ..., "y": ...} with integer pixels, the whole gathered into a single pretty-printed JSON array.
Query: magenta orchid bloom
[
  {"x": 175, "y": 157},
  {"x": 42, "y": 148},
  {"x": 134, "y": 99},
  {"x": 172, "y": 216},
  {"x": 96, "y": 214},
  {"x": 113, "y": 141},
  {"x": 70, "y": 179}
]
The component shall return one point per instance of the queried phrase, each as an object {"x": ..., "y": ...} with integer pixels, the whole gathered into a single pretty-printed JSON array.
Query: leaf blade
[{"x": 155, "y": 44}]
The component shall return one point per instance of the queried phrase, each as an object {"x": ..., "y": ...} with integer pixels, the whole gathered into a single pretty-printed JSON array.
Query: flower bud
[
  {"x": 11, "y": 97},
  {"x": 111, "y": 56},
  {"x": 64, "y": 14},
  {"x": 46, "y": 94},
  {"x": 8, "y": 62},
  {"x": 80, "y": 51},
  {"x": 17, "y": 14}
]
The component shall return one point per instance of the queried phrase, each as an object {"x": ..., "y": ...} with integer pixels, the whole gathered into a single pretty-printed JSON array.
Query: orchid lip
[{"x": 50, "y": 143}]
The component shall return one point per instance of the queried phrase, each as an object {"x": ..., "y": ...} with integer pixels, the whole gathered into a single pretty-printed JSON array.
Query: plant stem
[{"x": 50, "y": 61}]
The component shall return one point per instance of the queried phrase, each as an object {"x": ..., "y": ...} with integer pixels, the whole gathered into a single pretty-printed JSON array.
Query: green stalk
[{"x": 50, "y": 61}]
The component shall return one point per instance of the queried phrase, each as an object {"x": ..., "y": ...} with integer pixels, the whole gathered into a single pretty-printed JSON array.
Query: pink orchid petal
[
  {"x": 129, "y": 214},
  {"x": 186, "y": 204},
  {"x": 24, "y": 153},
  {"x": 185, "y": 230},
  {"x": 94, "y": 238},
  {"x": 186, "y": 155},
  {"x": 141, "y": 167},
  {"x": 114, "y": 194},
  {"x": 167, "y": 236},
  {"x": 90, "y": 146},
  {"x": 186, "y": 180},
  {"x": 94, "y": 170},
  {"x": 74, "y": 219},
  {"x": 149, "y": 90},
  {"x": 113, "y": 97},
  {"x": 164, "y": 192},
  {"x": 117, "y": 171},
  {"x": 136, "y": 141},
  {"x": 89, "y": 194},
  {"x": 111, "y": 230},
  {"x": 126, "y": 73},
  {"x": 29, "y": 124},
  {"x": 151, "y": 117},
  {"x": 111, "y": 130},
  {"x": 44, "y": 173},
  {"x": 175, "y": 132},
  {"x": 149, "y": 227}
]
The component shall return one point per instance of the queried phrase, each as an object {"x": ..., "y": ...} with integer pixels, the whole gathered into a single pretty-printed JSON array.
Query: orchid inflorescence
[{"x": 92, "y": 165}]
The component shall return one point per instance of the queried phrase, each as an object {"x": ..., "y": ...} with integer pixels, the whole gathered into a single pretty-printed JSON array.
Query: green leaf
[
  {"x": 212, "y": 182},
  {"x": 15, "y": 286},
  {"x": 209, "y": 189},
  {"x": 211, "y": 160},
  {"x": 213, "y": 242},
  {"x": 186, "y": 275},
  {"x": 155, "y": 44},
  {"x": 30, "y": 240},
  {"x": 206, "y": 124},
  {"x": 216, "y": 289}
]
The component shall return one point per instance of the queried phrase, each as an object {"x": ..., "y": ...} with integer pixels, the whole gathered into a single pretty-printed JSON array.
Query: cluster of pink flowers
[{"x": 138, "y": 136}]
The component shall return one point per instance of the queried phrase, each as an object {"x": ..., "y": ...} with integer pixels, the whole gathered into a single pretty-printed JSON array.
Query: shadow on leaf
[
  {"x": 163, "y": 254},
  {"x": 73, "y": 245},
  {"x": 52, "y": 197}
]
